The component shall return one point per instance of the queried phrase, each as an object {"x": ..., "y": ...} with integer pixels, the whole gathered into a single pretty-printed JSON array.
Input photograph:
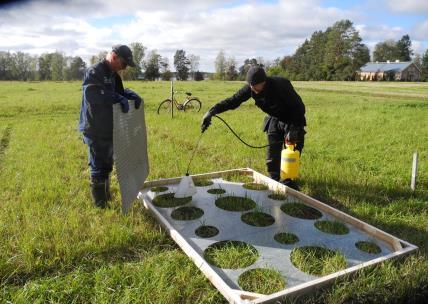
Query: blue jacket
[{"x": 100, "y": 89}]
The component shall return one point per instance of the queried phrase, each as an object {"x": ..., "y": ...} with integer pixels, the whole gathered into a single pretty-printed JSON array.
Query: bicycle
[{"x": 190, "y": 104}]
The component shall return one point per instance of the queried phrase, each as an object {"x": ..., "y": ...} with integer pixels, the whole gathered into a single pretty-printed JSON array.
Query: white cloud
[
  {"x": 421, "y": 30},
  {"x": 408, "y": 6},
  {"x": 370, "y": 33},
  {"x": 248, "y": 30},
  {"x": 243, "y": 29}
]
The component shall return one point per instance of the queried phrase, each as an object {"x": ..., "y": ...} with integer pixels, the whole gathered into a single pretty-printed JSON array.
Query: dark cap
[
  {"x": 255, "y": 75},
  {"x": 125, "y": 53}
]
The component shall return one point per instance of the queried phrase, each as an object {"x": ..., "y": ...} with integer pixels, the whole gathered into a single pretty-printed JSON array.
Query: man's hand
[
  {"x": 134, "y": 96},
  {"x": 295, "y": 135},
  {"x": 123, "y": 102},
  {"x": 206, "y": 121}
]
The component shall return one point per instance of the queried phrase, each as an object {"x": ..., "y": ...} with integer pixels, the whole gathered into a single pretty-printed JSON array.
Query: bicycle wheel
[
  {"x": 165, "y": 106},
  {"x": 192, "y": 105}
]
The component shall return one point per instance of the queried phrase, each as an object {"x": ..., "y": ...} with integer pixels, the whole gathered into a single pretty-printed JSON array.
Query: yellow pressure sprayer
[
  {"x": 290, "y": 159},
  {"x": 290, "y": 162}
]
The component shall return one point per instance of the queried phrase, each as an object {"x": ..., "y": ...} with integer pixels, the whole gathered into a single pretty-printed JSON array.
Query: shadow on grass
[
  {"x": 374, "y": 194},
  {"x": 125, "y": 253},
  {"x": 4, "y": 142},
  {"x": 395, "y": 223},
  {"x": 135, "y": 249}
]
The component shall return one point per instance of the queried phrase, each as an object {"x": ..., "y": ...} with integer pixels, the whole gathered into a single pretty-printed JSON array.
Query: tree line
[
  {"x": 333, "y": 54},
  {"x": 338, "y": 52},
  {"x": 150, "y": 65},
  {"x": 49, "y": 66}
]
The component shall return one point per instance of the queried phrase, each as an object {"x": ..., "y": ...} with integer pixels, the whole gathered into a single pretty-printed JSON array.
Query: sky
[{"x": 242, "y": 29}]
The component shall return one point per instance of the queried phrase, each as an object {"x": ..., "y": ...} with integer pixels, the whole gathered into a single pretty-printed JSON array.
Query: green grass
[
  {"x": 159, "y": 189},
  {"x": 332, "y": 227},
  {"x": 317, "y": 261},
  {"x": 300, "y": 210},
  {"x": 187, "y": 213},
  {"x": 255, "y": 186},
  {"x": 206, "y": 231},
  {"x": 286, "y": 238},
  {"x": 231, "y": 254},
  {"x": 216, "y": 191},
  {"x": 237, "y": 178},
  {"x": 261, "y": 280},
  {"x": 368, "y": 246},
  {"x": 235, "y": 203},
  {"x": 203, "y": 182},
  {"x": 56, "y": 248},
  {"x": 277, "y": 196},
  {"x": 168, "y": 200},
  {"x": 257, "y": 218}
]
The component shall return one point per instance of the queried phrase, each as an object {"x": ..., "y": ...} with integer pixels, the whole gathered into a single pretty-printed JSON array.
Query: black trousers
[{"x": 276, "y": 131}]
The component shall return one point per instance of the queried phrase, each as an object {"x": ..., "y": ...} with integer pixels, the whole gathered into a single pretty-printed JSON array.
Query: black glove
[
  {"x": 206, "y": 120},
  {"x": 295, "y": 135},
  {"x": 134, "y": 96},
  {"x": 123, "y": 102}
]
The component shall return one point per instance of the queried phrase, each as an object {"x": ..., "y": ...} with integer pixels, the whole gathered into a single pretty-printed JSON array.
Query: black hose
[{"x": 237, "y": 136}]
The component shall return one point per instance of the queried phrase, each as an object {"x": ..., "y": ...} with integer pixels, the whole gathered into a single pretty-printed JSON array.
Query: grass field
[{"x": 55, "y": 247}]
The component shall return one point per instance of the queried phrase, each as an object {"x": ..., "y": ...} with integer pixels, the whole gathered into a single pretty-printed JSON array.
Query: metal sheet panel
[
  {"x": 272, "y": 254},
  {"x": 130, "y": 152}
]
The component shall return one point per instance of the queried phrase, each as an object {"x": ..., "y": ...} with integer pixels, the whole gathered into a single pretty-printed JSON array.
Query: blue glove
[
  {"x": 123, "y": 102},
  {"x": 134, "y": 96}
]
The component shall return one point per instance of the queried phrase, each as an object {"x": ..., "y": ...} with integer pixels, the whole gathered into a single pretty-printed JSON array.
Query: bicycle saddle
[{"x": 188, "y": 94}]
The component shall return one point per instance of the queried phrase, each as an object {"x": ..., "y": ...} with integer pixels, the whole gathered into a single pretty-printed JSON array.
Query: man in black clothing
[
  {"x": 101, "y": 88},
  {"x": 286, "y": 113}
]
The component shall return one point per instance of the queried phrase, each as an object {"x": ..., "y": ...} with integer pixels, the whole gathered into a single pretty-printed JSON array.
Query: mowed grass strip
[{"x": 55, "y": 247}]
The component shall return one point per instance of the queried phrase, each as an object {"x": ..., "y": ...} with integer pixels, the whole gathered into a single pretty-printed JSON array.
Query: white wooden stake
[{"x": 414, "y": 171}]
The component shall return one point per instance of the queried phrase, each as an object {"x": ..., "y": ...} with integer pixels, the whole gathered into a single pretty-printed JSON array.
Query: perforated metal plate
[
  {"x": 130, "y": 152},
  {"x": 272, "y": 255}
]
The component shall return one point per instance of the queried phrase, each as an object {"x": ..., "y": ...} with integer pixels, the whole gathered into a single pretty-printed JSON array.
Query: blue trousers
[{"x": 100, "y": 157}]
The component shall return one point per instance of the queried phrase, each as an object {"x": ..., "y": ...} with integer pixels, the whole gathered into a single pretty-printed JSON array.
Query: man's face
[
  {"x": 258, "y": 88},
  {"x": 118, "y": 63}
]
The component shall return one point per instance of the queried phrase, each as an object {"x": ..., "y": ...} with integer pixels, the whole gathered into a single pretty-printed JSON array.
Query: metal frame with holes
[{"x": 400, "y": 247}]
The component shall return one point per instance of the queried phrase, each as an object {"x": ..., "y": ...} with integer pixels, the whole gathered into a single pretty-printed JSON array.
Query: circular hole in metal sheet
[
  {"x": 206, "y": 231},
  {"x": 231, "y": 254},
  {"x": 235, "y": 203},
  {"x": 317, "y": 260},
  {"x": 261, "y": 280},
  {"x": 168, "y": 200},
  {"x": 300, "y": 210},
  {"x": 187, "y": 213}
]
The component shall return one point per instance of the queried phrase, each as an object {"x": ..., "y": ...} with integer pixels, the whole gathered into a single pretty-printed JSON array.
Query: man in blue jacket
[
  {"x": 286, "y": 114},
  {"x": 102, "y": 87}
]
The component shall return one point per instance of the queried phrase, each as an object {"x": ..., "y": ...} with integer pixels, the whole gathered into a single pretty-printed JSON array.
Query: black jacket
[
  {"x": 100, "y": 88},
  {"x": 278, "y": 99}
]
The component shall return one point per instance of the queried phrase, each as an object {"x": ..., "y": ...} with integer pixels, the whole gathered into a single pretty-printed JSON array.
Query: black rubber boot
[
  {"x": 99, "y": 193},
  {"x": 291, "y": 183}
]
